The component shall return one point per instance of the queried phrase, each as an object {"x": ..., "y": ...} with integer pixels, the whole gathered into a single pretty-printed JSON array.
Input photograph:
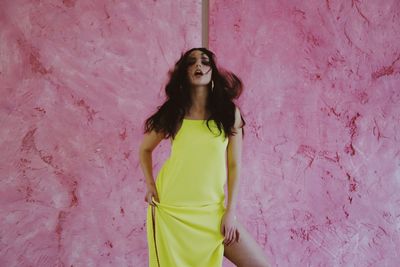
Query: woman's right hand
[{"x": 151, "y": 192}]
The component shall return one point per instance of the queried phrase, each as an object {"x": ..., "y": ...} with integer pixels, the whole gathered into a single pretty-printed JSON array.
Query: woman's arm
[
  {"x": 234, "y": 162},
  {"x": 149, "y": 143}
]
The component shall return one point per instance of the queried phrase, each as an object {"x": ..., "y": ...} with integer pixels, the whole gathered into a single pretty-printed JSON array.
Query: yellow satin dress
[{"x": 183, "y": 229}]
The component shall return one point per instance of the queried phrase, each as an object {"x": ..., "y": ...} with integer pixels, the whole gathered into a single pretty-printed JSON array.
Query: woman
[{"x": 188, "y": 224}]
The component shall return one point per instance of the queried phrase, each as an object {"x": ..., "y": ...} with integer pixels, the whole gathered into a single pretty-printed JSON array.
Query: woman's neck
[{"x": 199, "y": 103}]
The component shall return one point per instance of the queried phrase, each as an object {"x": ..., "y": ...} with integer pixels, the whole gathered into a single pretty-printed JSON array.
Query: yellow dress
[{"x": 183, "y": 230}]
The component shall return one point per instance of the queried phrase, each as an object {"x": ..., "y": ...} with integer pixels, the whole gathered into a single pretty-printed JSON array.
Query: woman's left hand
[{"x": 228, "y": 228}]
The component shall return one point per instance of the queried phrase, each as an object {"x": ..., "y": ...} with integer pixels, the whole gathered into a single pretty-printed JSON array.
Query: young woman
[{"x": 188, "y": 224}]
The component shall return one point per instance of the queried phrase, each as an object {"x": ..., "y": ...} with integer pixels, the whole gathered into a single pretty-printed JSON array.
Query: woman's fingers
[
  {"x": 156, "y": 197},
  {"x": 231, "y": 233},
  {"x": 228, "y": 237},
  {"x": 149, "y": 200},
  {"x": 231, "y": 236},
  {"x": 153, "y": 203}
]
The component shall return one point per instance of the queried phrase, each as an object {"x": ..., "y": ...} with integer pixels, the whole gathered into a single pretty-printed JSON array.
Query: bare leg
[{"x": 246, "y": 252}]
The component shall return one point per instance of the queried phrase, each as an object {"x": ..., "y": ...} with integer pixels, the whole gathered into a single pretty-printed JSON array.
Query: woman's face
[{"x": 199, "y": 68}]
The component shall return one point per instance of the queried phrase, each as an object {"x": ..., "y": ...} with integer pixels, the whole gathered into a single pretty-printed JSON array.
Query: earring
[{"x": 212, "y": 85}]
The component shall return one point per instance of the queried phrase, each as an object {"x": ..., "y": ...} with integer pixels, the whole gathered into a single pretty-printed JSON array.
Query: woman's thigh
[{"x": 246, "y": 252}]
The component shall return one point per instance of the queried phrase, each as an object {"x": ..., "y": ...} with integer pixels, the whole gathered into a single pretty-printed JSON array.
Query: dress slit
[{"x": 154, "y": 233}]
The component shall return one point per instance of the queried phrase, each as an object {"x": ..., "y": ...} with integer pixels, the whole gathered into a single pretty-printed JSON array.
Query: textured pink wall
[
  {"x": 320, "y": 176},
  {"x": 77, "y": 78},
  {"x": 321, "y": 164}
]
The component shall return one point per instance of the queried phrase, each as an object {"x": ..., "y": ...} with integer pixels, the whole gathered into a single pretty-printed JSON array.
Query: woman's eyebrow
[{"x": 201, "y": 58}]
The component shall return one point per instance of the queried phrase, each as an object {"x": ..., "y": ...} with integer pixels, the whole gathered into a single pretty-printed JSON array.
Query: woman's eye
[{"x": 204, "y": 62}]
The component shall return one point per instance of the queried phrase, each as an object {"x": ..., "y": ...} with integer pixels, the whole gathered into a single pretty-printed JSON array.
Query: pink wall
[
  {"x": 321, "y": 177},
  {"x": 77, "y": 79}
]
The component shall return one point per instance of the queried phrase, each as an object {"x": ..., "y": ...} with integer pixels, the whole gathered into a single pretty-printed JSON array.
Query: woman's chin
[{"x": 198, "y": 85}]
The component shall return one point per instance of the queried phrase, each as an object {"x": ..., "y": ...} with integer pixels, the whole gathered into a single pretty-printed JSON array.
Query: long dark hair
[{"x": 227, "y": 87}]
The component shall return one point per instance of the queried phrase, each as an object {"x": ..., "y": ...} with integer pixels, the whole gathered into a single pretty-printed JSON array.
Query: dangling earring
[{"x": 212, "y": 86}]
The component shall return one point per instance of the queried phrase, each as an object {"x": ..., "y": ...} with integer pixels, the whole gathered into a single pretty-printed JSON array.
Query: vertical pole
[{"x": 204, "y": 22}]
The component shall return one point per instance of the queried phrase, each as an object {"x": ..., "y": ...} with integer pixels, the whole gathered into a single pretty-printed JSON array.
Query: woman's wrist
[
  {"x": 150, "y": 182},
  {"x": 231, "y": 212},
  {"x": 230, "y": 209}
]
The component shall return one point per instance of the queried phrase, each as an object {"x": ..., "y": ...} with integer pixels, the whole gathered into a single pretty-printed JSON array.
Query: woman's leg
[{"x": 246, "y": 252}]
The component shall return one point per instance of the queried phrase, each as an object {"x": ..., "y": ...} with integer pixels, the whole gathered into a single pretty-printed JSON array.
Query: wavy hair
[{"x": 220, "y": 100}]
